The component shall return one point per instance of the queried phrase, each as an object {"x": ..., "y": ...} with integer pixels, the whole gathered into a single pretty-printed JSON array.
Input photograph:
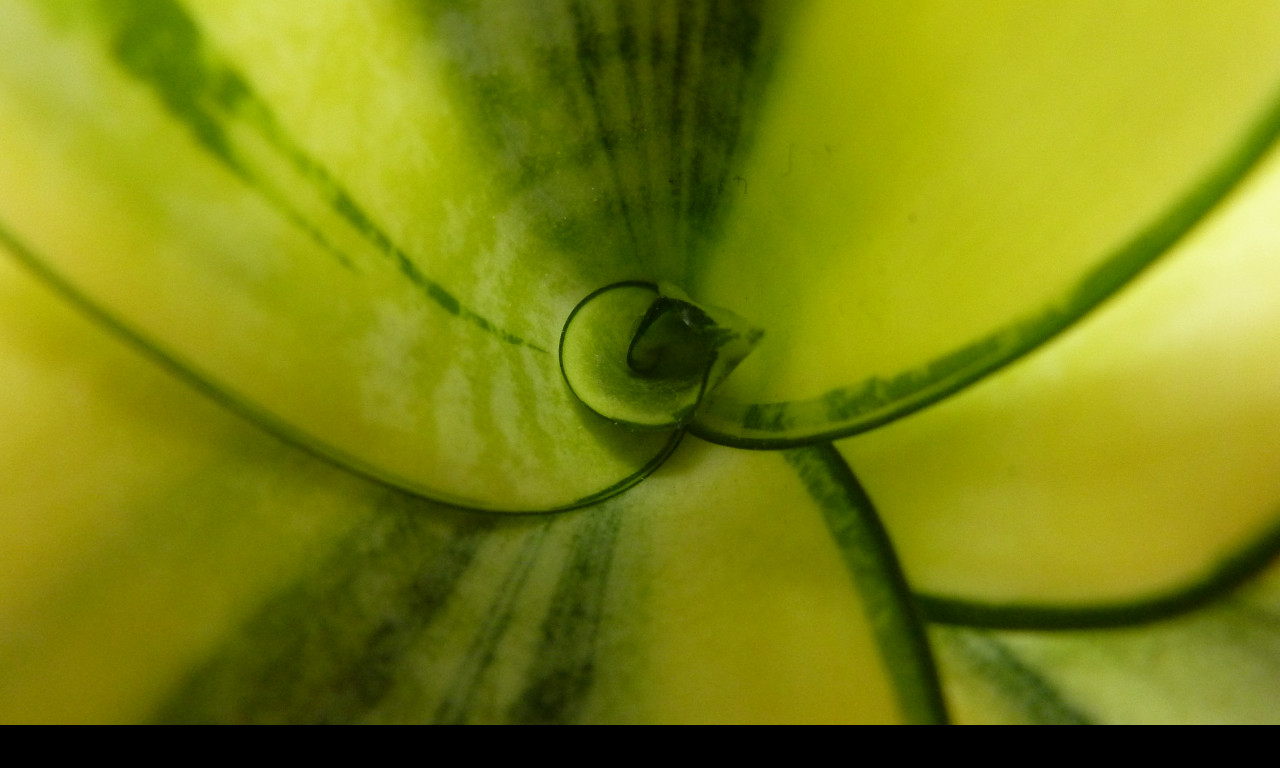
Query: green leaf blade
[
  {"x": 1217, "y": 665},
  {"x": 907, "y": 233},
  {"x": 334, "y": 321},
  {"x": 1129, "y": 465}
]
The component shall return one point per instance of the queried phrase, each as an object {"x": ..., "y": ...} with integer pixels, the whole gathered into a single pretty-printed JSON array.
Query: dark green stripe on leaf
[
  {"x": 879, "y": 400},
  {"x": 331, "y": 648},
  {"x": 990, "y": 663},
  {"x": 160, "y": 45},
  {"x": 1229, "y": 573},
  {"x": 422, "y": 614},
  {"x": 867, "y": 553},
  {"x": 563, "y": 668},
  {"x": 612, "y": 126}
]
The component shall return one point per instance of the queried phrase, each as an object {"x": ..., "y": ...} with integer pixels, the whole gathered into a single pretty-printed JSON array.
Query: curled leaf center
[{"x": 646, "y": 355}]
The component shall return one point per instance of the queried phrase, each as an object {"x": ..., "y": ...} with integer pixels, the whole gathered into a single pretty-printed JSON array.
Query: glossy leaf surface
[
  {"x": 1214, "y": 666},
  {"x": 164, "y": 558},
  {"x": 972, "y": 182},
  {"x": 363, "y": 227},
  {"x": 1134, "y": 457},
  {"x": 378, "y": 294}
]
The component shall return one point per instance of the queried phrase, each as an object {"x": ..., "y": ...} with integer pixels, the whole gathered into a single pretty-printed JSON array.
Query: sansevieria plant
[{"x": 605, "y": 361}]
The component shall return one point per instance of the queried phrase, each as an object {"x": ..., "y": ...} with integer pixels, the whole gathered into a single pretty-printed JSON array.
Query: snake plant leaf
[
  {"x": 1131, "y": 461},
  {"x": 659, "y": 605},
  {"x": 368, "y": 228},
  {"x": 1217, "y": 665},
  {"x": 973, "y": 181},
  {"x": 140, "y": 521},
  {"x": 163, "y": 558},
  {"x": 328, "y": 243}
]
